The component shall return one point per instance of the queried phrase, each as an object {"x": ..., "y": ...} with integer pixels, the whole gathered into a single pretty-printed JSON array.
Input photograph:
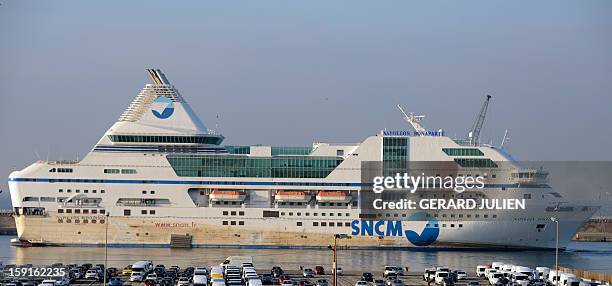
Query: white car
[
  {"x": 480, "y": 270},
  {"x": 520, "y": 279},
  {"x": 440, "y": 275},
  {"x": 390, "y": 270},
  {"x": 48, "y": 282},
  {"x": 338, "y": 270},
  {"x": 183, "y": 281},
  {"x": 461, "y": 275},
  {"x": 137, "y": 276},
  {"x": 494, "y": 277},
  {"x": 91, "y": 274},
  {"x": 287, "y": 282},
  {"x": 428, "y": 274},
  {"x": 361, "y": 283}
]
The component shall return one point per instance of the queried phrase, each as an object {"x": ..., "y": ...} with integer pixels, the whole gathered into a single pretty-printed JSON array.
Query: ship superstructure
[{"x": 159, "y": 174}]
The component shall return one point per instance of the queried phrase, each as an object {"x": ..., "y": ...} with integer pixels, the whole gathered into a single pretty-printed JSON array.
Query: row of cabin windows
[
  {"x": 330, "y": 224},
  {"x": 444, "y": 225},
  {"x": 81, "y": 211},
  {"x": 61, "y": 220},
  {"x": 84, "y": 191},
  {"x": 461, "y": 215},
  {"x": 319, "y": 203},
  {"x": 128, "y": 212},
  {"x": 314, "y": 214},
  {"x": 232, "y": 222},
  {"x": 61, "y": 170},
  {"x": 119, "y": 171},
  {"x": 233, "y": 213}
]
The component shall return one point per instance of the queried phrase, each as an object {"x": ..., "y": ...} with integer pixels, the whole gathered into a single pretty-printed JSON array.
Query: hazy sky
[{"x": 289, "y": 72}]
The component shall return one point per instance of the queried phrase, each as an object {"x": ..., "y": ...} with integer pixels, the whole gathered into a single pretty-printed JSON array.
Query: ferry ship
[{"x": 160, "y": 178}]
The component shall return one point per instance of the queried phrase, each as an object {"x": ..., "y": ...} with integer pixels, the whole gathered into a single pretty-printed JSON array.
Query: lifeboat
[
  {"x": 227, "y": 195},
  {"x": 334, "y": 196},
  {"x": 292, "y": 196}
]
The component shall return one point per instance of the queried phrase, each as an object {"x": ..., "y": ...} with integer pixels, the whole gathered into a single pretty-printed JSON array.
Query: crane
[
  {"x": 413, "y": 120},
  {"x": 474, "y": 134}
]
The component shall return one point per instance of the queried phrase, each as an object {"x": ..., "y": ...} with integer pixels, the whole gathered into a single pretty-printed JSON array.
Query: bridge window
[
  {"x": 462, "y": 151},
  {"x": 476, "y": 163},
  {"x": 205, "y": 139}
]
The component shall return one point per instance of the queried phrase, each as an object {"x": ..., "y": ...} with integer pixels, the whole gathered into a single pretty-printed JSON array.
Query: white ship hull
[{"x": 156, "y": 173}]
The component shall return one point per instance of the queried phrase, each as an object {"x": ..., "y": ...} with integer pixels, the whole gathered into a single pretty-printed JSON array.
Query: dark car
[
  {"x": 277, "y": 271},
  {"x": 367, "y": 276},
  {"x": 319, "y": 270},
  {"x": 115, "y": 281},
  {"x": 448, "y": 281},
  {"x": 267, "y": 279}
]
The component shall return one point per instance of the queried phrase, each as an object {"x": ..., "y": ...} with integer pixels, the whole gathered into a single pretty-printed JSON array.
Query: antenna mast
[
  {"x": 414, "y": 120},
  {"x": 504, "y": 140},
  {"x": 474, "y": 134}
]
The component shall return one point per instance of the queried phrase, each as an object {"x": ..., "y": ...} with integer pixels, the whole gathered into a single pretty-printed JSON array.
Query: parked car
[
  {"x": 379, "y": 282},
  {"x": 127, "y": 270},
  {"x": 429, "y": 274},
  {"x": 115, "y": 281},
  {"x": 338, "y": 271},
  {"x": 92, "y": 274},
  {"x": 184, "y": 281},
  {"x": 448, "y": 281},
  {"x": 267, "y": 279},
  {"x": 322, "y": 282},
  {"x": 319, "y": 270},
  {"x": 367, "y": 276},
  {"x": 460, "y": 274},
  {"x": 361, "y": 283},
  {"x": 440, "y": 275},
  {"x": 307, "y": 273}
]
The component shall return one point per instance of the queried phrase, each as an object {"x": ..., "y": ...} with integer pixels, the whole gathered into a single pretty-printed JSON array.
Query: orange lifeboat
[
  {"x": 292, "y": 196},
  {"x": 227, "y": 195},
  {"x": 334, "y": 196}
]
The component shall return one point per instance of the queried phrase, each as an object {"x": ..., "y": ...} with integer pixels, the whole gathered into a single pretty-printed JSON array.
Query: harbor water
[{"x": 593, "y": 256}]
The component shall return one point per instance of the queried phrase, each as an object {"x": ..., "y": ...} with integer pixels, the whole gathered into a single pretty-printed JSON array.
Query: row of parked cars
[
  {"x": 445, "y": 276},
  {"x": 71, "y": 273},
  {"x": 499, "y": 273}
]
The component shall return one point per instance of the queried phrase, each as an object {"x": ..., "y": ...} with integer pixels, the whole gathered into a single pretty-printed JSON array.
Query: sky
[{"x": 294, "y": 72}]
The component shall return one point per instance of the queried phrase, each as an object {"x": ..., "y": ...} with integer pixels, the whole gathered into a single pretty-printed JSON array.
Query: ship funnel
[{"x": 158, "y": 77}]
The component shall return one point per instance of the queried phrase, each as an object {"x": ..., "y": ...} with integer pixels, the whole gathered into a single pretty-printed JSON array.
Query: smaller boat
[
  {"x": 227, "y": 195},
  {"x": 20, "y": 243},
  {"x": 292, "y": 196},
  {"x": 334, "y": 196}
]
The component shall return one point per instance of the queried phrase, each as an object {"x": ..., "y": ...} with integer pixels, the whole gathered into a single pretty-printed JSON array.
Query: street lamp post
[
  {"x": 335, "y": 262},
  {"x": 556, "y": 221},
  {"x": 106, "y": 247}
]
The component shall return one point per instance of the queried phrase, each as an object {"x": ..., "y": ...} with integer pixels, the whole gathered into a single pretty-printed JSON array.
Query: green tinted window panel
[
  {"x": 256, "y": 167},
  {"x": 291, "y": 150},
  {"x": 462, "y": 151},
  {"x": 476, "y": 163}
]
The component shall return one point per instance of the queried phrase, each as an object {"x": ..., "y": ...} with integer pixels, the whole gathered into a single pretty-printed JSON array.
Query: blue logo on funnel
[{"x": 168, "y": 109}]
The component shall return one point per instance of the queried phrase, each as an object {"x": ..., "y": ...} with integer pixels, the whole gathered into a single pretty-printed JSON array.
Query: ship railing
[{"x": 61, "y": 162}]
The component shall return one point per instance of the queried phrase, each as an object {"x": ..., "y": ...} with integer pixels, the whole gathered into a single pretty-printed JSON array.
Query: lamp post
[
  {"x": 334, "y": 250},
  {"x": 106, "y": 247},
  {"x": 556, "y": 221}
]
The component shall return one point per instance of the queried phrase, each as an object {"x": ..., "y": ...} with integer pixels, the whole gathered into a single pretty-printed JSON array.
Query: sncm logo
[
  {"x": 167, "y": 104},
  {"x": 396, "y": 228}
]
